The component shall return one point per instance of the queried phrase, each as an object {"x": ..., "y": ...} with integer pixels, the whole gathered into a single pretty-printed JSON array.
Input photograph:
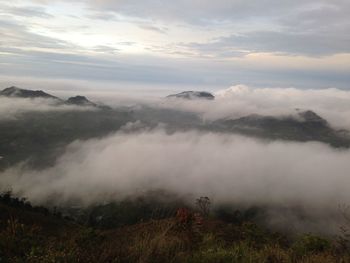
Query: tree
[{"x": 203, "y": 204}]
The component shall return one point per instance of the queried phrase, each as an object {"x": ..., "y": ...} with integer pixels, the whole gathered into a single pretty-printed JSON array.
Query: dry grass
[{"x": 32, "y": 237}]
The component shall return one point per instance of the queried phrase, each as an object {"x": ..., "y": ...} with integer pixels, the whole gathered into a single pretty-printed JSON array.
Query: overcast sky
[{"x": 197, "y": 43}]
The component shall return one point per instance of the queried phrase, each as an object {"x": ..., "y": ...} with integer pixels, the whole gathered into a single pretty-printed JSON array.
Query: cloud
[
  {"x": 231, "y": 169},
  {"x": 312, "y": 28},
  {"x": 26, "y": 11},
  {"x": 208, "y": 11},
  {"x": 237, "y": 101},
  {"x": 103, "y": 16},
  {"x": 228, "y": 168},
  {"x": 11, "y": 108},
  {"x": 290, "y": 28},
  {"x": 161, "y": 30},
  {"x": 15, "y": 35},
  {"x": 206, "y": 42},
  {"x": 240, "y": 100},
  {"x": 148, "y": 69},
  {"x": 283, "y": 42},
  {"x": 106, "y": 49},
  {"x": 65, "y": 64}
]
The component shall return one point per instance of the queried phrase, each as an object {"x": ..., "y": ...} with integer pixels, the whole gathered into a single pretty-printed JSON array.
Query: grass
[{"x": 34, "y": 235}]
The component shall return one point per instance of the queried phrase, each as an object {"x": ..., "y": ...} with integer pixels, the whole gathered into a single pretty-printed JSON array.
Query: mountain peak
[
  {"x": 24, "y": 93},
  {"x": 80, "y": 101},
  {"x": 310, "y": 116},
  {"x": 193, "y": 95}
]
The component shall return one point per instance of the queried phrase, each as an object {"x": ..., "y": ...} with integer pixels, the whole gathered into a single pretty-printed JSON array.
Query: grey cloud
[
  {"x": 311, "y": 29},
  {"x": 106, "y": 49},
  {"x": 284, "y": 42},
  {"x": 162, "y": 30},
  {"x": 67, "y": 65},
  {"x": 195, "y": 11},
  {"x": 19, "y": 58},
  {"x": 30, "y": 12},
  {"x": 26, "y": 11},
  {"x": 295, "y": 27},
  {"x": 204, "y": 12},
  {"x": 103, "y": 16},
  {"x": 314, "y": 28},
  {"x": 326, "y": 16},
  {"x": 148, "y": 70},
  {"x": 15, "y": 35}
]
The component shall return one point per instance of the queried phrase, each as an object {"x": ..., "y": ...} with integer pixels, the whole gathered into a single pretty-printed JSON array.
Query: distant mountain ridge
[
  {"x": 193, "y": 95},
  {"x": 304, "y": 126},
  {"x": 39, "y": 136},
  {"x": 15, "y": 92}
]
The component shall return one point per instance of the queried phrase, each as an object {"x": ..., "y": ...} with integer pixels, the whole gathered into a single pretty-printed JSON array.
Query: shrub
[
  {"x": 203, "y": 204},
  {"x": 309, "y": 244}
]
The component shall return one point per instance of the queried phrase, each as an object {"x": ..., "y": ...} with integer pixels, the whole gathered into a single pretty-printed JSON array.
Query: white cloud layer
[
  {"x": 228, "y": 168},
  {"x": 238, "y": 101}
]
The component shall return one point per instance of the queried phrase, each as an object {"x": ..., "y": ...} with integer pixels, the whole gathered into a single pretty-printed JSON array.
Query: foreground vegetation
[{"x": 34, "y": 234}]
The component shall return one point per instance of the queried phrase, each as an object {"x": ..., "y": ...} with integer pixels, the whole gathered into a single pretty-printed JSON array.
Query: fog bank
[
  {"x": 10, "y": 108},
  {"x": 238, "y": 101},
  {"x": 226, "y": 167}
]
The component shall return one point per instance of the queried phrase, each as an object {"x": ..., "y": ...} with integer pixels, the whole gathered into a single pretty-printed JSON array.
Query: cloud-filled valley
[
  {"x": 164, "y": 144},
  {"x": 175, "y": 131},
  {"x": 241, "y": 100},
  {"x": 231, "y": 169},
  {"x": 225, "y": 166}
]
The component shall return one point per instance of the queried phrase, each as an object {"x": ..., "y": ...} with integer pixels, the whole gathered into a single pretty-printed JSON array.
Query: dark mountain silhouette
[
  {"x": 80, "y": 101},
  {"x": 16, "y": 92},
  {"x": 193, "y": 95},
  {"x": 305, "y": 126}
]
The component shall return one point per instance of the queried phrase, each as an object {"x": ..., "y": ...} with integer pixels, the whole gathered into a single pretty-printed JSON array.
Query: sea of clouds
[{"x": 231, "y": 169}]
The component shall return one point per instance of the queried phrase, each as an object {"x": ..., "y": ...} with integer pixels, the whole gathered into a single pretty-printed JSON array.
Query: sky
[{"x": 188, "y": 44}]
